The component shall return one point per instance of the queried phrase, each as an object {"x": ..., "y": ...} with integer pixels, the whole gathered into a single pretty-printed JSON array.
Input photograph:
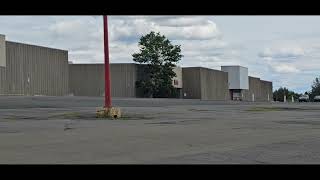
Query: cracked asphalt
[{"x": 64, "y": 130}]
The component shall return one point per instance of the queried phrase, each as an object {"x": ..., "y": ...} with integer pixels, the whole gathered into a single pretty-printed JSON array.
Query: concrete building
[
  {"x": 88, "y": 79},
  {"x": 232, "y": 83},
  {"x": 191, "y": 82},
  {"x": 32, "y": 70},
  {"x": 237, "y": 80},
  {"x": 247, "y": 88},
  {"x": 205, "y": 84}
]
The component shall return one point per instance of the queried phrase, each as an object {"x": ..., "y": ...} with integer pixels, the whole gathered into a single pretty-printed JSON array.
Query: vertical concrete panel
[
  {"x": 254, "y": 88},
  {"x": 266, "y": 89},
  {"x": 2, "y": 80},
  {"x": 191, "y": 83},
  {"x": 88, "y": 79},
  {"x": 2, "y": 64},
  {"x": 123, "y": 78},
  {"x": 36, "y": 70},
  {"x": 214, "y": 84},
  {"x": 2, "y": 51}
]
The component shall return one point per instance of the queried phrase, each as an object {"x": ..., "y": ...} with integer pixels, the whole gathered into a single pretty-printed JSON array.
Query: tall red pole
[{"x": 106, "y": 65}]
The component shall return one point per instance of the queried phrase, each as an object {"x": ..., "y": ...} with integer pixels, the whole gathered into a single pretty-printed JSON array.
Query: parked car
[
  {"x": 316, "y": 99},
  {"x": 304, "y": 98}
]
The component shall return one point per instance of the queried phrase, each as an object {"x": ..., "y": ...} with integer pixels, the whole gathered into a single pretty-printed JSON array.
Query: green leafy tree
[
  {"x": 160, "y": 57},
  {"x": 279, "y": 94},
  {"x": 315, "y": 88}
]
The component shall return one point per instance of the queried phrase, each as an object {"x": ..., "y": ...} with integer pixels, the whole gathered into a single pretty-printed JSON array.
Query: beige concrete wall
[
  {"x": 2, "y": 51},
  {"x": 36, "y": 70},
  {"x": 88, "y": 79},
  {"x": 266, "y": 90},
  {"x": 259, "y": 88},
  {"x": 123, "y": 79},
  {"x": 254, "y": 89},
  {"x": 191, "y": 83},
  {"x": 214, "y": 84},
  {"x": 205, "y": 84},
  {"x": 2, "y": 80},
  {"x": 2, "y": 64}
]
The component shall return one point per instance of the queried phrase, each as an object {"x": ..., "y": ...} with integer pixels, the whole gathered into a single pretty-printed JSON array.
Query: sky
[{"x": 281, "y": 49}]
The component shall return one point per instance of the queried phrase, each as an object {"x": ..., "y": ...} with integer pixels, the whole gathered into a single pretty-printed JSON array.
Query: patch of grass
[
  {"x": 304, "y": 122},
  {"x": 202, "y": 110},
  {"x": 136, "y": 117},
  {"x": 267, "y": 109},
  {"x": 15, "y": 117},
  {"x": 69, "y": 115},
  {"x": 164, "y": 122},
  {"x": 78, "y": 116}
]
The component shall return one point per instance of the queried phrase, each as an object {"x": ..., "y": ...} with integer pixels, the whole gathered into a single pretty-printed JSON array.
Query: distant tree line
[{"x": 278, "y": 95}]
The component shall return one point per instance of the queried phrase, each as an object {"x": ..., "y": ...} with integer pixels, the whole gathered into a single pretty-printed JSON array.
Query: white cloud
[
  {"x": 282, "y": 52},
  {"x": 284, "y": 68},
  {"x": 183, "y": 21},
  {"x": 67, "y": 27},
  {"x": 122, "y": 52},
  {"x": 204, "y": 42},
  {"x": 82, "y": 36},
  {"x": 196, "y": 32},
  {"x": 172, "y": 27},
  {"x": 200, "y": 38}
]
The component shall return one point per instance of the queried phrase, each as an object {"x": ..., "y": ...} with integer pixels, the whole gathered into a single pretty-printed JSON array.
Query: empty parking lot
[{"x": 64, "y": 130}]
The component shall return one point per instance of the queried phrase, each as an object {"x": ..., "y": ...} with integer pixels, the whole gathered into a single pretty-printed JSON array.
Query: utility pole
[
  {"x": 107, "y": 94},
  {"x": 108, "y": 111}
]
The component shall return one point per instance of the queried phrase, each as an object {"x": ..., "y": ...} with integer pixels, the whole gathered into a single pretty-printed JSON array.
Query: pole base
[{"x": 112, "y": 112}]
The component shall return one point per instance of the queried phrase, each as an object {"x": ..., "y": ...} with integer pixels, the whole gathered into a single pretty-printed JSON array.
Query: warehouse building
[
  {"x": 32, "y": 70},
  {"x": 88, "y": 79},
  {"x": 231, "y": 83}
]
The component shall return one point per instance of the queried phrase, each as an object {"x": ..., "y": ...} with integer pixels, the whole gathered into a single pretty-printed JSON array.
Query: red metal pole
[{"x": 106, "y": 65}]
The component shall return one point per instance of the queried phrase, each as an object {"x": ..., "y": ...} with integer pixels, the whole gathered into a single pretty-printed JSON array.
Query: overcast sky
[{"x": 282, "y": 49}]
